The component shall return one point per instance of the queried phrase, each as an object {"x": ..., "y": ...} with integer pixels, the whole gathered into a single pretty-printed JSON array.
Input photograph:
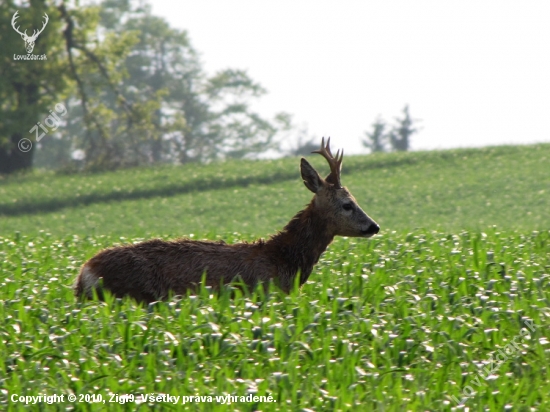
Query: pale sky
[{"x": 476, "y": 73}]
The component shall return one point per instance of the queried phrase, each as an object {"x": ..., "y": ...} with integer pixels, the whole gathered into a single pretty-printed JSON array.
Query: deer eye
[{"x": 347, "y": 206}]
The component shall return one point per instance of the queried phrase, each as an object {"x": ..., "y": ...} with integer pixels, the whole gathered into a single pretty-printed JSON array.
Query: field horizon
[{"x": 506, "y": 186}]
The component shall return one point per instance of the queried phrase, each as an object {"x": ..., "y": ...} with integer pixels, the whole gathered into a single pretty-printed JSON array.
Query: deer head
[
  {"x": 337, "y": 205},
  {"x": 29, "y": 40}
]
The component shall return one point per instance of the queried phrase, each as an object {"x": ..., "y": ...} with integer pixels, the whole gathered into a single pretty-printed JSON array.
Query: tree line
[
  {"x": 136, "y": 92},
  {"x": 396, "y": 137}
]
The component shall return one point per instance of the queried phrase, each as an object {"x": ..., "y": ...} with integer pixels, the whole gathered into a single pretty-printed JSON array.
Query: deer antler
[
  {"x": 35, "y": 35},
  {"x": 35, "y": 32},
  {"x": 13, "y": 19},
  {"x": 335, "y": 163}
]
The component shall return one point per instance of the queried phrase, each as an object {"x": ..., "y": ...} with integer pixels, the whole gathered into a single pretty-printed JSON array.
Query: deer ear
[{"x": 312, "y": 180}]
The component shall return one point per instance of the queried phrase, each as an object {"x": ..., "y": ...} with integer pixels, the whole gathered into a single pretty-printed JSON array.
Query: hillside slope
[{"x": 451, "y": 190}]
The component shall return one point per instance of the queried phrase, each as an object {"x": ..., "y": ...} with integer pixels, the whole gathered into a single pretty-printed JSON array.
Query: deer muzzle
[{"x": 371, "y": 230}]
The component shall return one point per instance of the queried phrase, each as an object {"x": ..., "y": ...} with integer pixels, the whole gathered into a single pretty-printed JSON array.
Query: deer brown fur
[{"x": 151, "y": 270}]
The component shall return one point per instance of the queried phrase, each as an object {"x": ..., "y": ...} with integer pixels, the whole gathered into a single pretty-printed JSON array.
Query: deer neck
[{"x": 298, "y": 247}]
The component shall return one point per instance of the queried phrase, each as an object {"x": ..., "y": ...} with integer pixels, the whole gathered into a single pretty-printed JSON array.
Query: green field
[{"x": 446, "y": 309}]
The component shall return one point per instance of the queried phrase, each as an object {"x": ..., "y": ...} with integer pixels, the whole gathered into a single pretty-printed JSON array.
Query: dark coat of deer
[{"x": 150, "y": 270}]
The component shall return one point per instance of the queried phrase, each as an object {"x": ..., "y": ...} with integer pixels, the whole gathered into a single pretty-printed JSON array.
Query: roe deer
[{"x": 148, "y": 271}]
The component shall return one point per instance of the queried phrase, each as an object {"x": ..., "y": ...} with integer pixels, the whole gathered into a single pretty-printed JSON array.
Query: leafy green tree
[
  {"x": 28, "y": 88},
  {"x": 134, "y": 90},
  {"x": 201, "y": 118},
  {"x": 80, "y": 69},
  {"x": 114, "y": 121},
  {"x": 196, "y": 118}
]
